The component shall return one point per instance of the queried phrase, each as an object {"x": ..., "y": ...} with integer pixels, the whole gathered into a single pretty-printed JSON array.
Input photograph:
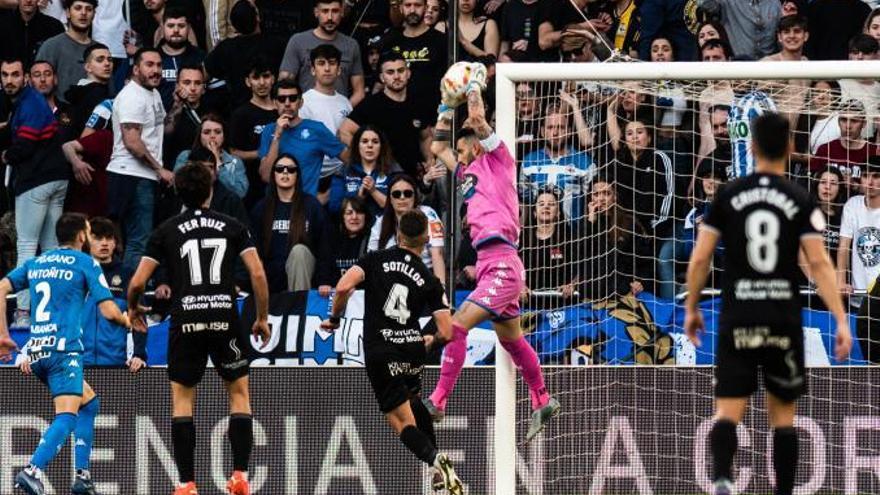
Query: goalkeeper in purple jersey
[{"x": 486, "y": 174}]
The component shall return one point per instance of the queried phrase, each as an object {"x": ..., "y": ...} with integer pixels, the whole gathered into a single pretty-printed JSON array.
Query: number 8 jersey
[
  {"x": 198, "y": 249},
  {"x": 761, "y": 220},
  {"x": 398, "y": 287}
]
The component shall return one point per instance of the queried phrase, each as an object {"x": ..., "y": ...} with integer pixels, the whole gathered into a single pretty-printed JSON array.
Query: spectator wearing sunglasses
[
  {"x": 402, "y": 197},
  {"x": 291, "y": 232},
  {"x": 306, "y": 140}
]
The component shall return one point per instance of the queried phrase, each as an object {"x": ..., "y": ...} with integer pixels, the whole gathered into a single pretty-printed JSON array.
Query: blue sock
[
  {"x": 84, "y": 434},
  {"x": 53, "y": 439}
]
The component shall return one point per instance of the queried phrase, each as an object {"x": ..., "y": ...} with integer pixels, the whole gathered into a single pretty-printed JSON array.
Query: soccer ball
[{"x": 458, "y": 78}]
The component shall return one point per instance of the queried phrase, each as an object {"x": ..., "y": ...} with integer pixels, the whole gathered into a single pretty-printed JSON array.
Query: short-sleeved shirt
[
  {"x": 862, "y": 225},
  {"x": 398, "y": 288},
  {"x": 199, "y": 248},
  {"x": 297, "y": 59},
  {"x": 246, "y": 126},
  {"x": 570, "y": 173},
  {"x": 850, "y": 162},
  {"x": 308, "y": 142},
  {"x": 426, "y": 56},
  {"x": 761, "y": 219},
  {"x": 58, "y": 283},
  {"x": 401, "y": 122},
  {"x": 137, "y": 105}
]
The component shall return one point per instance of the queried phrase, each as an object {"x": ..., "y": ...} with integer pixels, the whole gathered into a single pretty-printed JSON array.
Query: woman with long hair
[
  {"x": 549, "y": 250},
  {"x": 872, "y": 24},
  {"x": 829, "y": 190},
  {"x": 351, "y": 238},
  {"x": 611, "y": 246},
  {"x": 212, "y": 137},
  {"x": 291, "y": 233},
  {"x": 403, "y": 194},
  {"x": 370, "y": 170},
  {"x": 478, "y": 37},
  {"x": 435, "y": 14}
]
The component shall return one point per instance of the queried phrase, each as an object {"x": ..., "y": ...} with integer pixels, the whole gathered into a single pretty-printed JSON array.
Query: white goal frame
[{"x": 506, "y": 77}]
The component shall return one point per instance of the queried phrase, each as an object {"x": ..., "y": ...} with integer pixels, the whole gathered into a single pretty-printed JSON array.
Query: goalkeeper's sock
[
  {"x": 241, "y": 439},
  {"x": 453, "y": 359},
  {"x": 423, "y": 419},
  {"x": 785, "y": 458},
  {"x": 724, "y": 443},
  {"x": 53, "y": 439},
  {"x": 419, "y": 444},
  {"x": 183, "y": 438},
  {"x": 525, "y": 358},
  {"x": 84, "y": 433}
]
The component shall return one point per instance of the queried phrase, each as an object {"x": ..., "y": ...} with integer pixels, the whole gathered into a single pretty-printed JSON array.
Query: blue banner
[{"x": 622, "y": 331}]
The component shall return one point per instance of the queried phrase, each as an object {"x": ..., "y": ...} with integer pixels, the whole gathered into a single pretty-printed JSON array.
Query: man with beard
[
  {"x": 24, "y": 29},
  {"x": 90, "y": 91},
  {"x": 146, "y": 22},
  {"x": 65, "y": 51},
  {"x": 715, "y": 149},
  {"x": 394, "y": 111},
  {"x": 176, "y": 52},
  {"x": 558, "y": 164},
  {"x": 41, "y": 77},
  {"x": 297, "y": 61},
  {"x": 424, "y": 50},
  {"x": 135, "y": 166},
  {"x": 247, "y": 123},
  {"x": 39, "y": 168}
]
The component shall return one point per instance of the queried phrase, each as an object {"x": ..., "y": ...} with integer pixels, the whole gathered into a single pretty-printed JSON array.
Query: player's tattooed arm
[{"x": 477, "y": 115}]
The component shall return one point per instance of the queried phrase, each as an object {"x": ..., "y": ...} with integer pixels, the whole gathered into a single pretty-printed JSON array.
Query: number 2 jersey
[
  {"x": 397, "y": 289},
  {"x": 58, "y": 282},
  {"x": 761, "y": 219},
  {"x": 198, "y": 248}
]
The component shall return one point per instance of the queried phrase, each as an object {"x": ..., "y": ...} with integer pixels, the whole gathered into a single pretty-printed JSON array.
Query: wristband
[
  {"x": 443, "y": 135},
  {"x": 444, "y": 111},
  {"x": 334, "y": 320},
  {"x": 490, "y": 143}
]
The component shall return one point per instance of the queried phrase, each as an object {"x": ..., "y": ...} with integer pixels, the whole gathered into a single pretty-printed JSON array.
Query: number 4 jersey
[
  {"x": 199, "y": 248},
  {"x": 761, "y": 219},
  {"x": 398, "y": 288},
  {"x": 58, "y": 282}
]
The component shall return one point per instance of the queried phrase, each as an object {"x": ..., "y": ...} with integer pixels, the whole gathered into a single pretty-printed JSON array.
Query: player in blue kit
[{"x": 59, "y": 281}]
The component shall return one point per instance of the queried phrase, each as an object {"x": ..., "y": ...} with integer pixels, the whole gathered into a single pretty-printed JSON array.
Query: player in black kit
[
  {"x": 764, "y": 221},
  {"x": 199, "y": 248},
  {"x": 397, "y": 289}
]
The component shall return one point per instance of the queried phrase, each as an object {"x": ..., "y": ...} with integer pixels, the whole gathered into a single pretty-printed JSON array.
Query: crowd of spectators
[{"x": 316, "y": 117}]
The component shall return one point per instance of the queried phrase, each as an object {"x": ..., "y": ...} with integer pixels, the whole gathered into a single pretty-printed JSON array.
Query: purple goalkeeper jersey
[{"x": 488, "y": 186}]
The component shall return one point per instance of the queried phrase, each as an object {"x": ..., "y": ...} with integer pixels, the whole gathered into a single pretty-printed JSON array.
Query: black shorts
[
  {"x": 188, "y": 354},
  {"x": 393, "y": 381},
  {"x": 777, "y": 350}
]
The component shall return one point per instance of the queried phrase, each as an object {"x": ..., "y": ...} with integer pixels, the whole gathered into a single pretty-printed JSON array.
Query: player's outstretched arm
[
  {"x": 260, "y": 286},
  {"x": 698, "y": 271},
  {"x": 826, "y": 285},
  {"x": 7, "y": 345},
  {"x": 440, "y": 143},
  {"x": 344, "y": 289},
  {"x": 111, "y": 312},
  {"x": 136, "y": 288}
]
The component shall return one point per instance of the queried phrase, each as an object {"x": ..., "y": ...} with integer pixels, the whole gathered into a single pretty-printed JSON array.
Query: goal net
[{"x": 617, "y": 165}]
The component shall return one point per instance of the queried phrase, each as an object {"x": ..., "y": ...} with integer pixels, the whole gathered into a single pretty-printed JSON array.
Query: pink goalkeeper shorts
[{"x": 500, "y": 278}]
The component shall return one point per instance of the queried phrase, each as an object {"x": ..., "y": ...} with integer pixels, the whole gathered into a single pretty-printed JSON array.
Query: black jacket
[{"x": 22, "y": 40}]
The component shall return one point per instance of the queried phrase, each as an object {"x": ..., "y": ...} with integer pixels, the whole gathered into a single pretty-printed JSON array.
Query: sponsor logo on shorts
[
  {"x": 759, "y": 338},
  {"x": 397, "y": 369},
  {"x": 213, "y": 301}
]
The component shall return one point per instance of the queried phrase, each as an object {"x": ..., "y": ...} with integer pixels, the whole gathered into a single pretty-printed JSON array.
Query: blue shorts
[{"x": 62, "y": 372}]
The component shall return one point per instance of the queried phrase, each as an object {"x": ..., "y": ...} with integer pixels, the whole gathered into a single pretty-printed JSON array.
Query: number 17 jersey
[
  {"x": 397, "y": 289},
  {"x": 199, "y": 248},
  {"x": 761, "y": 219}
]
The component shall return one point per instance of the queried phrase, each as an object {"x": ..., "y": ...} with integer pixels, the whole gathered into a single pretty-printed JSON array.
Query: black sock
[
  {"x": 241, "y": 437},
  {"x": 183, "y": 437},
  {"x": 423, "y": 419},
  {"x": 419, "y": 444},
  {"x": 785, "y": 459},
  {"x": 724, "y": 443}
]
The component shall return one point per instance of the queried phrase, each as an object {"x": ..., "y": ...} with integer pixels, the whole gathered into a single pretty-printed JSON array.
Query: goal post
[{"x": 691, "y": 78}]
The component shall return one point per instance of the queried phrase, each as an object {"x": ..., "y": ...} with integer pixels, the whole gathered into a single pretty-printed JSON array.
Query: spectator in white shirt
[{"x": 860, "y": 234}]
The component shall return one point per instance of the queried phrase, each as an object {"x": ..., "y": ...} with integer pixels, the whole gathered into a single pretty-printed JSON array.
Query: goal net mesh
[{"x": 614, "y": 179}]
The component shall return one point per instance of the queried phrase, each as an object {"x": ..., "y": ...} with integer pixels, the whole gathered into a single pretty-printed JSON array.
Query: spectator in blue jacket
[
  {"x": 105, "y": 343},
  {"x": 213, "y": 137}
]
